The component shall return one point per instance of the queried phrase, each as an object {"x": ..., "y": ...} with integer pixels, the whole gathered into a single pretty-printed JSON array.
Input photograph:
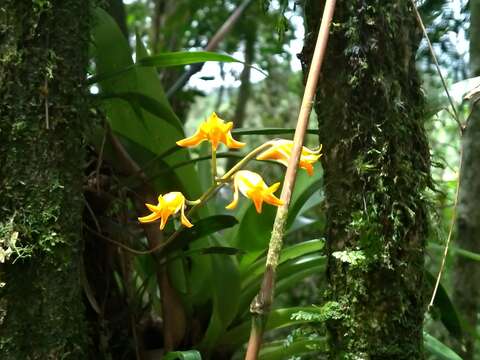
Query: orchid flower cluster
[{"x": 248, "y": 183}]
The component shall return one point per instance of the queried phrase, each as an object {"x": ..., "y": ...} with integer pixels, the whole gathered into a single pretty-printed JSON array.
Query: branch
[
  {"x": 212, "y": 45},
  {"x": 260, "y": 306}
]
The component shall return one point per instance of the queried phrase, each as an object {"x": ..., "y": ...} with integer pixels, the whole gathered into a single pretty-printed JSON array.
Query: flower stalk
[
  {"x": 214, "y": 166},
  {"x": 260, "y": 306},
  {"x": 203, "y": 199}
]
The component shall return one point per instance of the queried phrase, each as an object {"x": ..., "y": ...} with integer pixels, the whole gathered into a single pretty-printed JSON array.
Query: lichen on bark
[
  {"x": 376, "y": 160},
  {"x": 43, "y": 59}
]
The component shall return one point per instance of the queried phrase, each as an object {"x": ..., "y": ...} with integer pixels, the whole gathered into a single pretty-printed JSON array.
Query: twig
[
  {"x": 212, "y": 45},
  {"x": 92, "y": 213},
  {"x": 100, "y": 158},
  {"x": 454, "y": 211},
  {"x": 117, "y": 243},
  {"x": 434, "y": 57},
  {"x": 47, "y": 115},
  {"x": 450, "y": 232},
  {"x": 260, "y": 306},
  {"x": 461, "y": 128}
]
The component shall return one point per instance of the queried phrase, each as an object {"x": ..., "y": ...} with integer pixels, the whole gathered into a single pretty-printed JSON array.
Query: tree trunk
[
  {"x": 43, "y": 60},
  {"x": 467, "y": 272},
  {"x": 376, "y": 162},
  {"x": 245, "y": 85}
]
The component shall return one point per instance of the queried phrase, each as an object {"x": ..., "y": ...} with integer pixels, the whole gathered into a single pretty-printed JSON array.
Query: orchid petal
[
  {"x": 149, "y": 218},
  {"x": 193, "y": 140}
]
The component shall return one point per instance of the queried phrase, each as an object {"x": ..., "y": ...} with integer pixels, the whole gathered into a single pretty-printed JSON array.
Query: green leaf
[
  {"x": 306, "y": 187},
  {"x": 302, "y": 222},
  {"x": 156, "y": 134},
  {"x": 456, "y": 250},
  {"x": 221, "y": 250},
  {"x": 279, "y": 351},
  {"x": 289, "y": 274},
  {"x": 277, "y": 319},
  {"x": 148, "y": 103},
  {"x": 448, "y": 312},
  {"x": 169, "y": 59},
  {"x": 292, "y": 280},
  {"x": 226, "y": 293},
  {"x": 201, "y": 228},
  {"x": 163, "y": 60},
  {"x": 256, "y": 269},
  {"x": 465, "y": 253},
  {"x": 439, "y": 349},
  {"x": 161, "y": 135},
  {"x": 253, "y": 232},
  {"x": 183, "y": 355}
]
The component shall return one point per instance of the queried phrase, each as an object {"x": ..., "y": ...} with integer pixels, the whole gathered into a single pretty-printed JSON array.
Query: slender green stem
[
  {"x": 252, "y": 154},
  {"x": 196, "y": 203},
  {"x": 214, "y": 165}
]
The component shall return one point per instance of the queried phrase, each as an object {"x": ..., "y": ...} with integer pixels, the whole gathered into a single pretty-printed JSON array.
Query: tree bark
[
  {"x": 245, "y": 85},
  {"x": 376, "y": 163},
  {"x": 467, "y": 272},
  {"x": 43, "y": 61}
]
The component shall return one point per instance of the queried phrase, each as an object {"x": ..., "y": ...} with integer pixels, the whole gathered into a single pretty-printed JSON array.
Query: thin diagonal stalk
[
  {"x": 461, "y": 128},
  {"x": 435, "y": 61},
  {"x": 454, "y": 211},
  {"x": 260, "y": 306}
]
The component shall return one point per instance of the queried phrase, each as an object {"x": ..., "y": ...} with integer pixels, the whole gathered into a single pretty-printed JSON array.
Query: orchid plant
[{"x": 248, "y": 183}]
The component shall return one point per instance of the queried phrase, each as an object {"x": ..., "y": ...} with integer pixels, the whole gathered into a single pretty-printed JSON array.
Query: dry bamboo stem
[{"x": 260, "y": 306}]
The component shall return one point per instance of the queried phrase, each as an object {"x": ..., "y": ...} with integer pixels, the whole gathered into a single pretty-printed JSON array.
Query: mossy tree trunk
[
  {"x": 376, "y": 162},
  {"x": 43, "y": 60},
  {"x": 467, "y": 272}
]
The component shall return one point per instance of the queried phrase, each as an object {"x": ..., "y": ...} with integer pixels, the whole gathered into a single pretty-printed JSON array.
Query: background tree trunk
[
  {"x": 244, "y": 91},
  {"x": 43, "y": 60},
  {"x": 376, "y": 162},
  {"x": 467, "y": 272}
]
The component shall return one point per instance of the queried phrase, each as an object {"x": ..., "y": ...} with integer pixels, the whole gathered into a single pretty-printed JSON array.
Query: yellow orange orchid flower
[
  {"x": 281, "y": 151},
  {"x": 253, "y": 187},
  {"x": 168, "y": 204},
  {"x": 214, "y": 130}
]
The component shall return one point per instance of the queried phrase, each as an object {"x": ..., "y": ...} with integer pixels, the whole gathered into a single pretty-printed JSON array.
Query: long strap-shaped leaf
[{"x": 168, "y": 59}]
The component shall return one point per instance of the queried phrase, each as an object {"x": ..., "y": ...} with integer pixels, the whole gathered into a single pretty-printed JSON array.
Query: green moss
[
  {"x": 376, "y": 170},
  {"x": 41, "y": 311}
]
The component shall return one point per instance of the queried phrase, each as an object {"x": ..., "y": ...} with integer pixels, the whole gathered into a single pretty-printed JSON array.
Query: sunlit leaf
[
  {"x": 183, "y": 355},
  {"x": 167, "y": 59}
]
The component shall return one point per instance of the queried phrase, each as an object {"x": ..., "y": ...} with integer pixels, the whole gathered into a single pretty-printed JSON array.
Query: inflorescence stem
[{"x": 218, "y": 183}]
